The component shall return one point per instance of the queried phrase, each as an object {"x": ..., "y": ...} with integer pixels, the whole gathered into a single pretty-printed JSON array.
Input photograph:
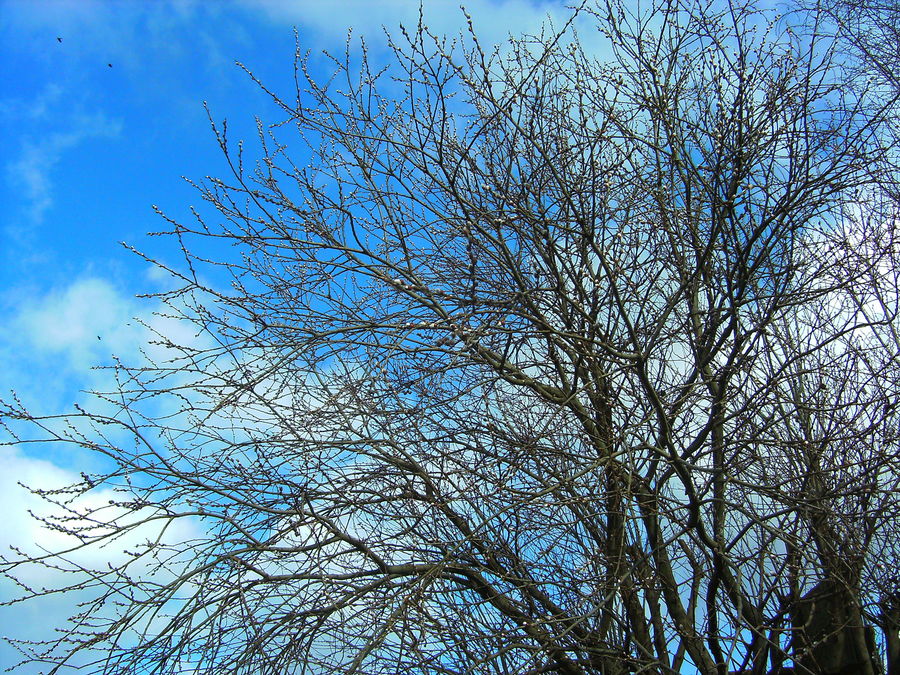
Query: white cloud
[
  {"x": 19, "y": 528},
  {"x": 48, "y": 343},
  {"x": 85, "y": 322},
  {"x": 39, "y": 619},
  {"x": 52, "y": 341},
  {"x": 91, "y": 320},
  {"x": 24, "y": 531}
]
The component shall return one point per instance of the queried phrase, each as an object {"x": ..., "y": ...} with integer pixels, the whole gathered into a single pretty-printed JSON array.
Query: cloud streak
[
  {"x": 493, "y": 20},
  {"x": 32, "y": 171}
]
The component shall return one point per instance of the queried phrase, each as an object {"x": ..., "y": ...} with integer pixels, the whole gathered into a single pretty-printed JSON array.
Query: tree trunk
[{"x": 830, "y": 637}]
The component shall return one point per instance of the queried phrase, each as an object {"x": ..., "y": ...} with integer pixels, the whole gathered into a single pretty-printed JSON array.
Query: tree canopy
[{"x": 520, "y": 359}]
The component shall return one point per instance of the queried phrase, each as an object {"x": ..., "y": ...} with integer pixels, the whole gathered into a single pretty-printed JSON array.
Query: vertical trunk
[
  {"x": 890, "y": 625},
  {"x": 830, "y": 637},
  {"x": 892, "y": 641}
]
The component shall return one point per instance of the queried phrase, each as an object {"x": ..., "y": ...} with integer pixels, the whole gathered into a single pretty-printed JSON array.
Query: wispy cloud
[
  {"x": 17, "y": 110},
  {"x": 494, "y": 20},
  {"x": 32, "y": 170}
]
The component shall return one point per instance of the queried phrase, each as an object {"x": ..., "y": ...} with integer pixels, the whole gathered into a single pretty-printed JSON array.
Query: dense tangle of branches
[{"x": 533, "y": 360}]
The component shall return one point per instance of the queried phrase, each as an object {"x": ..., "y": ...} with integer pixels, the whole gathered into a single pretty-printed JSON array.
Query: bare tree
[
  {"x": 871, "y": 27},
  {"x": 868, "y": 32},
  {"x": 545, "y": 362}
]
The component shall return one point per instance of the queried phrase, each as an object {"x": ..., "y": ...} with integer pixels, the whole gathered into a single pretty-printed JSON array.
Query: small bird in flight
[
  {"x": 109, "y": 64},
  {"x": 59, "y": 39}
]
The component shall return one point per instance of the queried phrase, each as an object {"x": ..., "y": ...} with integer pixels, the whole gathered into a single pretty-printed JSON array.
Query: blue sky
[{"x": 97, "y": 128}]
